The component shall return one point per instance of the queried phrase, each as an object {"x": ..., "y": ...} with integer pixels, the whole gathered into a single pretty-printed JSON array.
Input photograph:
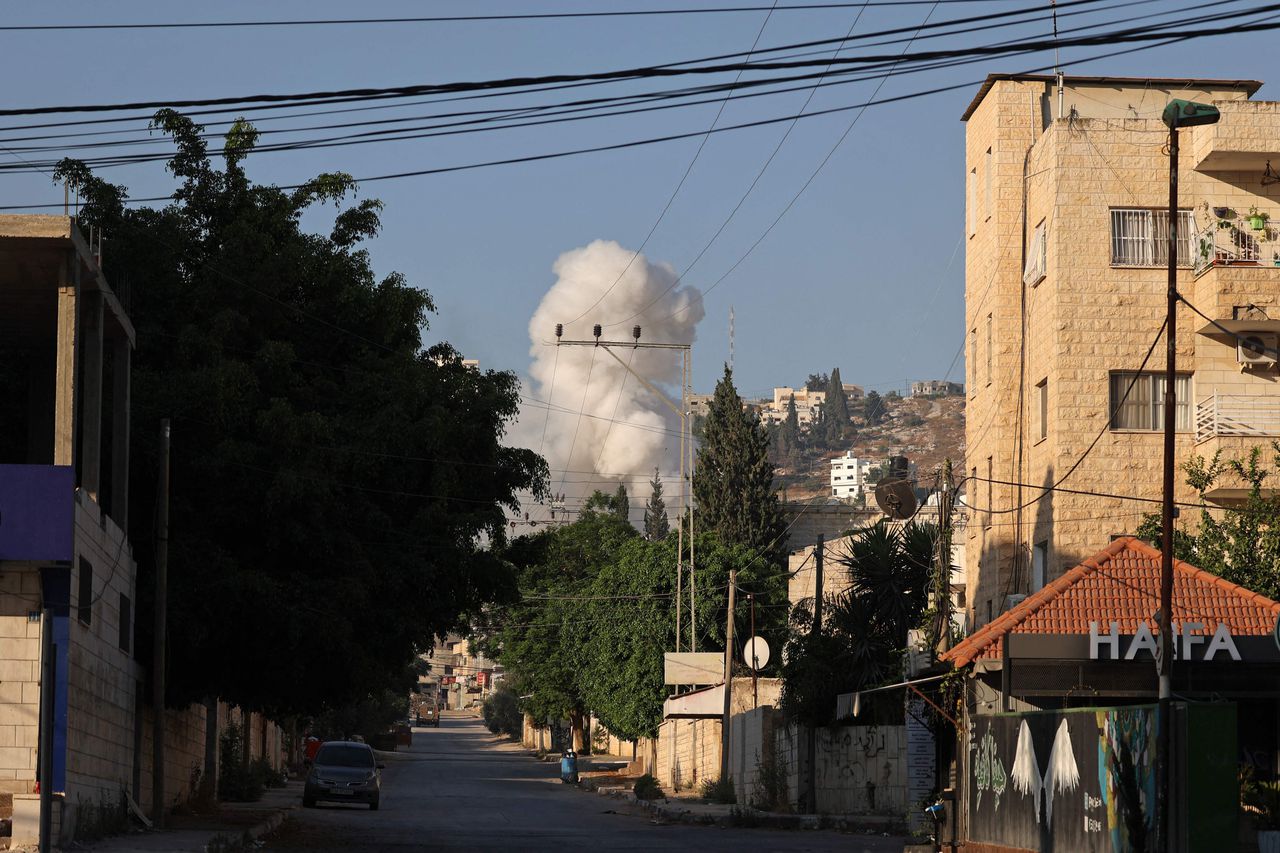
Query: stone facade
[{"x": 1048, "y": 325}]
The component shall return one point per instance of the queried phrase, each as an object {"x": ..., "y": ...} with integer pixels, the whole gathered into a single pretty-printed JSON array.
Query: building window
[
  {"x": 126, "y": 624},
  {"x": 973, "y": 358},
  {"x": 1137, "y": 401},
  {"x": 990, "y": 491},
  {"x": 84, "y": 604},
  {"x": 1140, "y": 238},
  {"x": 1033, "y": 272},
  {"x": 1042, "y": 398},
  {"x": 973, "y": 205},
  {"x": 990, "y": 347},
  {"x": 1039, "y": 559},
  {"x": 986, "y": 180}
]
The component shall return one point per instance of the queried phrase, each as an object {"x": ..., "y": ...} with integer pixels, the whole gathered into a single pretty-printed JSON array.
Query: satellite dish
[
  {"x": 896, "y": 498},
  {"x": 756, "y": 653}
]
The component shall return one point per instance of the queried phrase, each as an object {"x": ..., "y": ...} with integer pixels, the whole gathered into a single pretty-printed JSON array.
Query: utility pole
[
  {"x": 728, "y": 676},
  {"x": 811, "y": 798},
  {"x": 943, "y": 591},
  {"x": 44, "y": 755},
  {"x": 161, "y": 629},
  {"x": 686, "y": 440},
  {"x": 755, "y": 670}
]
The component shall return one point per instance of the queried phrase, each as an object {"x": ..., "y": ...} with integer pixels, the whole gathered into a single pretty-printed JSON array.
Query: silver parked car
[{"x": 344, "y": 772}]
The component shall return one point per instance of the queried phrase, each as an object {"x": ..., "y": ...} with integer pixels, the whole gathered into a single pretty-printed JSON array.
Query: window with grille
[
  {"x": 84, "y": 602},
  {"x": 988, "y": 174},
  {"x": 1137, "y": 401},
  {"x": 1140, "y": 237},
  {"x": 1042, "y": 393},
  {"x": 1033, "y": 273},
  {"x": 990, "y": 345},
  {"x": 973, "y": 201}
]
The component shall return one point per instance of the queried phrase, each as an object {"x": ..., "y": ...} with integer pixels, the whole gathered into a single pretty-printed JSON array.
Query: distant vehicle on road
[
  {"x": 344, "y": 772},
  {"x": 429, "y": 716}
]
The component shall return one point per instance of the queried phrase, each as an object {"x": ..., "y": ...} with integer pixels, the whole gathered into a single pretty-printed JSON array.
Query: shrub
[
  {"x": 771, "y": 785},
  {"x": 238, "y": 781},
  {"x": 502, "y": 713},
  {"x": 719, "y": 791},
  {"x": 647, "y": 788}
]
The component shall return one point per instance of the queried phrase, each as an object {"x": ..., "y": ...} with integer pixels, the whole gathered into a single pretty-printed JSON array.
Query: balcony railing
[
  {"x": 1226, "y": 246},
  {"x": 1236, "y": 414}
]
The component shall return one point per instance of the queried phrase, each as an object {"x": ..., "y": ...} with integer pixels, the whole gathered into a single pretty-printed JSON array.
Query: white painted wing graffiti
[
  {"x": 1026, "y": 769},
  {"x": 1063, "y": 774}
]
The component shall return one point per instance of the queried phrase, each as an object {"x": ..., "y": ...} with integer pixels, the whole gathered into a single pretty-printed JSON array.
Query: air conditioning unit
[
  {"x": 1257, "y": 348},
  {"x": 1012, "y": 601}
]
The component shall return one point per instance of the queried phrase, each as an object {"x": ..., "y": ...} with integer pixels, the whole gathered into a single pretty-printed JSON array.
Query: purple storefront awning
[{"x": 37, "y": 512}]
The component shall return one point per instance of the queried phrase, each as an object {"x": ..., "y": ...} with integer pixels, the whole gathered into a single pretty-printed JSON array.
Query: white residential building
[{"x": 849, "y": 476}]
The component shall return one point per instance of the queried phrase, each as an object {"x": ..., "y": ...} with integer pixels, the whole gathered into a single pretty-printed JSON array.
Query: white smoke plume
[{"x": 624, "y": 431}]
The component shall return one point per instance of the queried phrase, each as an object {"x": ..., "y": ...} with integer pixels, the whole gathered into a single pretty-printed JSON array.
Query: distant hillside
[{"x": 926, "y": 430}]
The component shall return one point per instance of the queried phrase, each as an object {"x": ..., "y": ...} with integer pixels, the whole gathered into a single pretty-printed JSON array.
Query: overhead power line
[
  {"x": 642, "y": 72},
  {"x": 446, "y": 19}
]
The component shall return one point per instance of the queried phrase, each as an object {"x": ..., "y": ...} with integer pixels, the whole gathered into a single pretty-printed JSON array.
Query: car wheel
[
  {"x": 308, "y": 802},
  {"x": 373, "y": 806}
]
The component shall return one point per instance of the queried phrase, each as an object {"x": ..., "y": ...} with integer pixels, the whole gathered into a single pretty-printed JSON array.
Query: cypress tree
[
  {"x": 791, "y": 426},
  {"x": 733, "y": 481},
  {"x": 656, "y": 523},
  {"x": 622, "y": 503},
  {"x": 837, "y": 408}
]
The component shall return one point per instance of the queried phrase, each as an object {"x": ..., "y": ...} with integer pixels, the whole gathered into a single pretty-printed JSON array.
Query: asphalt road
[{"x": 460, "y": 788}]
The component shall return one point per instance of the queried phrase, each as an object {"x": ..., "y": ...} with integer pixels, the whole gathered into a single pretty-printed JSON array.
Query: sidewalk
[{"x": 193, "y": 833}]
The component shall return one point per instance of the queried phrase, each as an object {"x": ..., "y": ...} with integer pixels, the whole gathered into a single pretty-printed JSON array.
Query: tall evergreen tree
[
  {"x": 837, "y": 409},
  {"x": 656, "y": 523},
  {"x": 733, "y": 481},
  {"x": 622, "y": 503},
  {"x": 791, "y": 426}
]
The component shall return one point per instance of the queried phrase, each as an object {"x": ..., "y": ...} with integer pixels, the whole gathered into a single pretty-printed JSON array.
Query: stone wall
[
  {"x": 688, "y": 753},
  {"x": 861, "y": 770}
]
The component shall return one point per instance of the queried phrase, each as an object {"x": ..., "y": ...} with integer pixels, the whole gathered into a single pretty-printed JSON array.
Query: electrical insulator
[
  {"x": 635, "y": 332},
  {"x": 595, "y": 330},
  {"x": 559, "y": 330}
]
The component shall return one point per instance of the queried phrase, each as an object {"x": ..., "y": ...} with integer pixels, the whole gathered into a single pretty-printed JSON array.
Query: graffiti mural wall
[{"x": 1064, "y": 780}]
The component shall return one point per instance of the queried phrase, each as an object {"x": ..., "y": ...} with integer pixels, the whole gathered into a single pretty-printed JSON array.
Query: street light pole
[{"x": 1177, "y": 114}]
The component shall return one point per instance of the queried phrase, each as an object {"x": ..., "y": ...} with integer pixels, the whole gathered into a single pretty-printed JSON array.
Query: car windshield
[{"x": 344, "y": 756}]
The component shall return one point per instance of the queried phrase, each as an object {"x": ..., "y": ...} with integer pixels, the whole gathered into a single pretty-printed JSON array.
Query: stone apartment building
[{"x": 1066, "y": 227}]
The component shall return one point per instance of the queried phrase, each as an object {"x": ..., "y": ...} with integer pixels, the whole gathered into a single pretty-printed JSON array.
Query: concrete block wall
[
  {"x": 102, "y": 675},
  {"x": 860, "y": 769},
  {"x": 688, "y": 753},
  {"x": 19, "y": 677}
]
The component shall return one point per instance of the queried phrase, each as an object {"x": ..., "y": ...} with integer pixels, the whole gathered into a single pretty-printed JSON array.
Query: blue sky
[{"x": 865, "y": 272}]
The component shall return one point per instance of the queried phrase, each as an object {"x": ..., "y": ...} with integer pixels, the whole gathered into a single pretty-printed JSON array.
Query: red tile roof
[{"x": 1122, "y": 584}]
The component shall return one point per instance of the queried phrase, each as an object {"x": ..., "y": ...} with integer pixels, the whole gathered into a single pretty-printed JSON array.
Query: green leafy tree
[
  {"x": 1241, "y": 543},
  {"x": 539, "y": 637},
  {"x": 733, "y": 481},
  {"x": 817, "y": 382},
  {"x": 656, "y": 523},
  {"x": 873, "y": 410},
  {"x": 629, "y": 619},
  {"x": 333, "y": 477}
]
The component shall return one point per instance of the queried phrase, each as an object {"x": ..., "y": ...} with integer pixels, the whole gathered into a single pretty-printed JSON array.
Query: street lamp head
[{"x": 1180, "y": 113}]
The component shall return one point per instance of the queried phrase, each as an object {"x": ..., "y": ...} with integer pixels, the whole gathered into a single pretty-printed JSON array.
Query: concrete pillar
[
  {"x": 91, "y": 393},
  {"x": 64, "y": 408},
  {"x": 121, "y": 385}
]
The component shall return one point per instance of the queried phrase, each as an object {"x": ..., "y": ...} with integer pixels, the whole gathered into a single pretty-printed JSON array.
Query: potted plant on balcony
[
  {"x": 1257, "y": 219},
  {"x": 1223, "y": 213}
]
